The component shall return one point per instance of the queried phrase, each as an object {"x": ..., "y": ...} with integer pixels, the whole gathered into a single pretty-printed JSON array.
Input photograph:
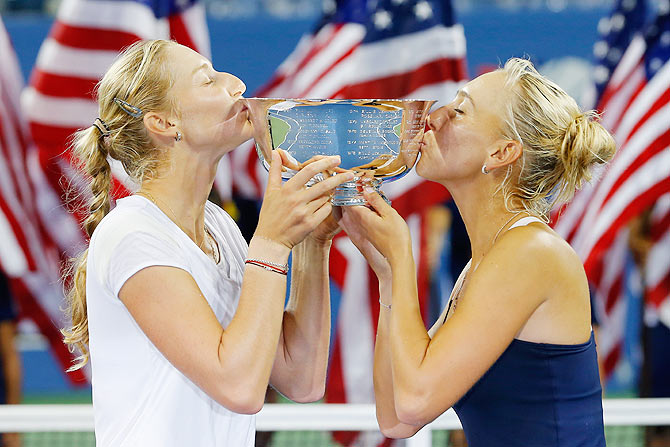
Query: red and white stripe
[
  {"x": 83, "y": 42},
  {"x": 637, "y": 176},
  {"x": 608, "y": 290},
  {"x": 657, "y": 272},
  {"x": 28, "y": 256},
  {"x": 626, "y": 81},
  {"x": 636, "y": 111},
  {"x": 334, "y": 63}
]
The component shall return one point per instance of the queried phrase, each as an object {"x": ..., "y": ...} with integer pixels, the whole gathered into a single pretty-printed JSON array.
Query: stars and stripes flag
[
  {"x": 367, "y": 49},
  {"x": 84, "y": 40},
  {"x": 657, "y": 271},
  {"x": 28, "y": 255},
  {"x": 635, "y": 106}
]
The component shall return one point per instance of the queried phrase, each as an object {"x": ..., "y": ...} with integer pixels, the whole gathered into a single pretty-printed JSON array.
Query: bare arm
[
  {"x": 12, "y": 372},
  {"x": 233, "y": 365},
  {"x": 299, "y": 370},
  {"x": 491, "y": 312},
  {"x": 389, "y": 424},
  {"x": 11, "y": 362},
  {"x": 429, "y": 376}
]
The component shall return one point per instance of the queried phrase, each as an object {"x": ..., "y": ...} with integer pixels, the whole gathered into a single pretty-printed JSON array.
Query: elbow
[
  {"x": 247, "y": 407},
  {"x": 399, "y": 431},
  {"x": 312, "y": 396},
  {"x": 394, "y": 429},
  {"x": 306, "y": 393},
  {"x": 241, "y": 400},
  {"x": 413, "y": 409}
]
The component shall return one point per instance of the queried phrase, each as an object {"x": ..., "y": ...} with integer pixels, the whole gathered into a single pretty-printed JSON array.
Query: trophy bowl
[{"x": 378, "y": 139}]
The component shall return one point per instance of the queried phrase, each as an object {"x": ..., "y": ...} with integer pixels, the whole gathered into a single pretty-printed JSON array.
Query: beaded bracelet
[{"x": 282, "y": 269}]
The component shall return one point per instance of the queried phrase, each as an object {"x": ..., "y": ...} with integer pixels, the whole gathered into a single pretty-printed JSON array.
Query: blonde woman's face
[
  {"x": 463, "y": 131},
  {"x": 211, "y": 110}
]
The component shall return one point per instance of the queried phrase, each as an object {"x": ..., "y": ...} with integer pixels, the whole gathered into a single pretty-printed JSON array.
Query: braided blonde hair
[
  {"x": 142, "y": 78},
  {"x": 560, "y": 142}
]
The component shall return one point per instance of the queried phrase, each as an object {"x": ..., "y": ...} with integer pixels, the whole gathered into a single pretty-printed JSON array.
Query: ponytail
[
  {"x": 139, "y": 80},
  {"x": 89, "y": 146}
]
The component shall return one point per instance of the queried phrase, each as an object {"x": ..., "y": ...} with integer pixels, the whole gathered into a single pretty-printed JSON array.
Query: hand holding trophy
[{"x": 376, "y": 138}]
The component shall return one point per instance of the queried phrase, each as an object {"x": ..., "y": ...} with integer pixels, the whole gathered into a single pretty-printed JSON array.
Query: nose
[
  {"x": 438, "y": 118},
  {"x": 235, "y": 86}
]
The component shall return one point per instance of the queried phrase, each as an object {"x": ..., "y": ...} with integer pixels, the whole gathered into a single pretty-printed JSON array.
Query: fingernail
[
  {"x": 336, "y": 158},
  {"x": 368, "y": 189}
]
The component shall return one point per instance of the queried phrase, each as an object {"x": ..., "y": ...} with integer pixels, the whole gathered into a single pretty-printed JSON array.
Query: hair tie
[
  {"x": 579, "y": 118},
  {"x": 128, "y": 108},
  {"x": 104, "y": 130}
]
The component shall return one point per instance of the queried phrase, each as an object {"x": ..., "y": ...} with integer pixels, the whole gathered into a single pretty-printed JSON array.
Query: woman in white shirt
[{"x": 184, "y": 324}]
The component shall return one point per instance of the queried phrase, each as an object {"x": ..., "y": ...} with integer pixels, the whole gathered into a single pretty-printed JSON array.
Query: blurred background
[
  {"x": 495, "y": 30},
  {"x": 581, "y": 44}
]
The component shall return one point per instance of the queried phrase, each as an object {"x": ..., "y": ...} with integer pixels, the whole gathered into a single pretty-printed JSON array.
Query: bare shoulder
[
  {"x": 540, "y": 249},
  {"x": 556, "y": 281}
]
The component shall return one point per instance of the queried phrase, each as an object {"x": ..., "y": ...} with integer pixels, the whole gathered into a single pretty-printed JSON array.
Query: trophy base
[{"x": 351, "y": 193}]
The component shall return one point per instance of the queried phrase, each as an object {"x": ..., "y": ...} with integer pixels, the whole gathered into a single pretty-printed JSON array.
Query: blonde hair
[
  {"x": 560, "y": 142},
  {"x": 141, "y": 78}
]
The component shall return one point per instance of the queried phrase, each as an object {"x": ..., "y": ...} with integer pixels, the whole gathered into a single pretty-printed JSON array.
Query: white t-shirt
[{"x": 139, "y": 397}]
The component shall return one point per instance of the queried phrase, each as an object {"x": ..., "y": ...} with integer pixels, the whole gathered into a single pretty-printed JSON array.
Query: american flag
[
  {"x": 84, "y": 40},
  {"x": 28, "y": 255},
  {"x": 657, "y": 272},
  {"x": 368, "y": 49},
  {"x": 365, "y": 48},
  {"x": 635, "y": 104}
]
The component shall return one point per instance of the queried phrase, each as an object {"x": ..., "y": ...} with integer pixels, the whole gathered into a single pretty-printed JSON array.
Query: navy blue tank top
[{"x": 536, "y": 395}]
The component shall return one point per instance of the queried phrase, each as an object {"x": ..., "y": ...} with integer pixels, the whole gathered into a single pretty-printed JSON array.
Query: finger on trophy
[
  {"x": 327, "y": 186},
  {"x": 309, "y": 171},
  {"x": 367, "y": 177},
  {"x": 287, "y": 161},
  {"x": 364, "y": 178},
  {"x": 377, "y": 137},
  {"x": 328, "y": 172},
  {"x": 323, "y": 174}
]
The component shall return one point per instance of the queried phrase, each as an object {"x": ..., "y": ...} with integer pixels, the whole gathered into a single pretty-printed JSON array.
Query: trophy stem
[{"x": 351, "y": 193}]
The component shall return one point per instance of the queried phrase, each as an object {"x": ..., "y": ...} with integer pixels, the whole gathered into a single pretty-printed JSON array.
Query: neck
[
  {"x": 484, "y": 214},
  {"x": 181, "y": 193}
]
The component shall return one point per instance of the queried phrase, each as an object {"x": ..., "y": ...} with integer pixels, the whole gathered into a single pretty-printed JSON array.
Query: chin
[
  {"x": 421, "y": 170},
  {"x": 430, "y": 171},
  {"x": 242, "y": 134}
]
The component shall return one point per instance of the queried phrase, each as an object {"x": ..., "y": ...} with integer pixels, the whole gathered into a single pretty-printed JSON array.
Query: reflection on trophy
[{"x": 378, "y": 139}]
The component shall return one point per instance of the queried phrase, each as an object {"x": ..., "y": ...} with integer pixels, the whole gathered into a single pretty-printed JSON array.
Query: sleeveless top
[{"x": 536, "y": 395}]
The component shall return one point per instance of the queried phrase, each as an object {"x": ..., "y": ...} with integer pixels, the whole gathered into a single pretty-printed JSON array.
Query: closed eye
[{"x": 459, "y": 111}]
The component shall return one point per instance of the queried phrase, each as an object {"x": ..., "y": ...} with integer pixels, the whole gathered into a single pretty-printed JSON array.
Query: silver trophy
[{"x": 378, "y": 139}]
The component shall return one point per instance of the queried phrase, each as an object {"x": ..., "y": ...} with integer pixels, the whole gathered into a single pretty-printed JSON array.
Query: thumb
[
  {"x": 274, "y": 178},
  {"x": 376, "y": 201}
]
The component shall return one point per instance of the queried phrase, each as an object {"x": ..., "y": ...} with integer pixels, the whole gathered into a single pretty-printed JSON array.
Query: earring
[
  {"x": 484, "y": 170},
  {"x": 178, "y": 136}
]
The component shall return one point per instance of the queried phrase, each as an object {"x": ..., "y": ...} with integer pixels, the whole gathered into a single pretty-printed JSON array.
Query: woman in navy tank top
[{"x": 513, "y": 351}]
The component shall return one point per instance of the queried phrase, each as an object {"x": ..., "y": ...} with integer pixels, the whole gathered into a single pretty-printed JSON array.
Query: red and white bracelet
[{"x": 282, "y": 269}]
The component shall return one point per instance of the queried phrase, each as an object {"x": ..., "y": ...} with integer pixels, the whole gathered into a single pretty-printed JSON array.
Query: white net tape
[{"x": 314, "y": 417}]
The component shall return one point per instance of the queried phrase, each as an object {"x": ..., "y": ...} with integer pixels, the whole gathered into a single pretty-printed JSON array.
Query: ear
[
  {"x": 505, "y": 152},
  {"x": 159, "y": 126}
]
